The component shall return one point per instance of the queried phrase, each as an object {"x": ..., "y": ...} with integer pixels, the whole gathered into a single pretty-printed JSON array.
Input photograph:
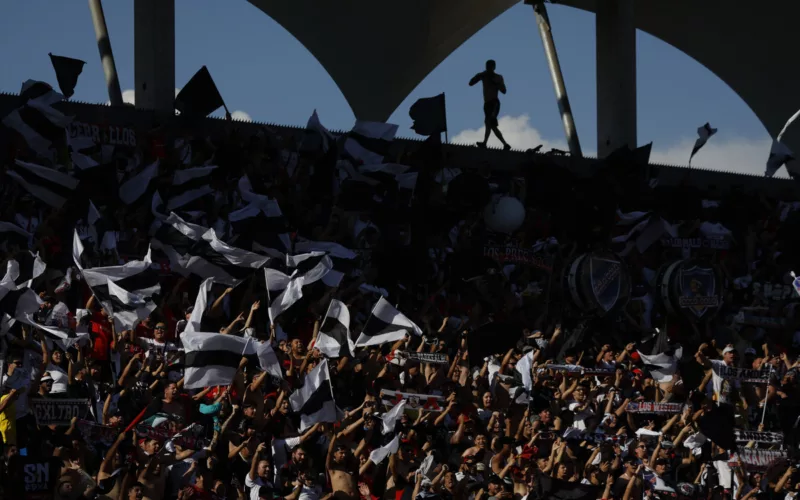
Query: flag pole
[
  {"x": 106, "y": 55},
  {"x": 766, "y": 395},
  {"x": 269, "y": 301}
]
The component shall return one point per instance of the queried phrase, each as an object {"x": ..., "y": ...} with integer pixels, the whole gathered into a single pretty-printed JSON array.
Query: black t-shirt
[{"x": 35, "y": 477}]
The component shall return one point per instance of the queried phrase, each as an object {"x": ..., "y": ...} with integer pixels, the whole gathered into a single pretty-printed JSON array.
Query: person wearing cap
[
  {"x": 723, "y": 387},
  {"x": 158, "y": 347}
]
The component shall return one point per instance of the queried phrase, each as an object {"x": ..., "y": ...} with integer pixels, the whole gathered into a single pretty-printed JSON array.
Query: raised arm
[{"x": 476, "y": 79}]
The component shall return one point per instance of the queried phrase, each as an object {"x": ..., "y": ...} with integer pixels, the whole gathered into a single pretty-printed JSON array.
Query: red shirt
[{"x": 101, "y": 335}]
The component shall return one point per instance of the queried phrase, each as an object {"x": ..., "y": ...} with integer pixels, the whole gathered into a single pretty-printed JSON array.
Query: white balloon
[{"x": 504, "y": 214}]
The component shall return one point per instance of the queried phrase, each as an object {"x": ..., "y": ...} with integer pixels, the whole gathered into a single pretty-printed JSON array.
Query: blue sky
[{"x": 262, "y": 70}]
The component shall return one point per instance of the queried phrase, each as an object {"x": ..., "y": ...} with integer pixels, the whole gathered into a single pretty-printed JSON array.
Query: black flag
[
  {"x": 429, "y": 115},
  {"x": 199, "y": 97},
  {"x": 67, "y": 72}
]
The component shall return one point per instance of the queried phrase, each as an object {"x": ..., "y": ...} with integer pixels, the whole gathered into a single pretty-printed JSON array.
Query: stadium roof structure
[{"x": 378, "y": 51}]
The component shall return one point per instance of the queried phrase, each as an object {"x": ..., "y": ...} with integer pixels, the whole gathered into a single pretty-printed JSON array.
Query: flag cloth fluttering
[
  {"x": 199, "y": 97},
  {"x": 704, "y": 134},
  {"x": 779, "y": 153},
  {"x": 67, "y": 72},
  {"x": 386, "y": 324},
  {"x": 314, "y": 401},
  {"x": 37, "y": 121},
  {"x": 429, "y": 115},
  {"x": 333, "y": 339}
]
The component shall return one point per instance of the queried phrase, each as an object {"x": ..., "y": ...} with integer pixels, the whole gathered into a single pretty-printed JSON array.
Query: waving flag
[
  {"x": 314, "y": 401},
  {"x": 704, "y": 133}
]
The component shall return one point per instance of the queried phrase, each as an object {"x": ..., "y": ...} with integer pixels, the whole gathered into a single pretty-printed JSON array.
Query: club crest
[
  {"x": 605, "y": 280},
  {"x": 698, "y": 290}
]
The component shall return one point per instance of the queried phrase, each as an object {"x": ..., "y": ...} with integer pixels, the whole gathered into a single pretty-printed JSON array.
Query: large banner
[
  {"x": 516, "y": 255},
  {"x": 58, "y": 411},
  {"x": 579, "y": 370},
  {"x": 104, "y": 134},
  {"x": 424, "y": 402},
  {"x": 759, "y": 437},
  {"x": 436, "y": 358},
  {"x": 760, "y": 376},
  {"x": 757, "y": 459},
  {"x": 657, "y": 408},
  {"x": 164, "y": 427},
  {"x": 711, "y": 242}
]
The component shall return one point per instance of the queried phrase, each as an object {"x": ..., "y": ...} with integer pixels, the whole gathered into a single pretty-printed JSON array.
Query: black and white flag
[
  {"x": 189, "y": 185},
  {"x": 16, "y": 302},
  {"x": 133, "y": 188},
  {"x": 314, "y": 401},
  {"x": 649, "y": 230},
  {"x": 343, "y": 259},
  {"x": 662, "y": 366},
  {"x": 200, "y": 304},
  {"x": 126, "y": 292},
  {"x": 780, "y": 154},
  {"x": 386, "y": 324},
  {"x": 37, "y": 121},
  {"x": 212, "y": 358},
  {"x": 49, "y": 186},
  {"x": 193, "y": 249},
  {"x": 704, "y": 133},
  {"x": 261, "y": 227},
  {"x": 333, "y": 339},
  {"x": 285, "y": 285},
  {"x": 369, "y": 142},
  {"x": 22, "y": 272}
]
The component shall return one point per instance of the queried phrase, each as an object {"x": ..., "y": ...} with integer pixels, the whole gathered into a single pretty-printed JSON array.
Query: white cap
[{"x": 728, "y": 349}]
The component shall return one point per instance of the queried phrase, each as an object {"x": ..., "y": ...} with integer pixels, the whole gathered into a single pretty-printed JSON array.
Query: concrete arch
[{"x": 379, "y": 51}]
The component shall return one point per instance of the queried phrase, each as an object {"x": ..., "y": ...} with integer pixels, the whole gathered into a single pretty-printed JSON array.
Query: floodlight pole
[
  {"x": 106, "y": 55},
  {"x": 543, "y": 21}
]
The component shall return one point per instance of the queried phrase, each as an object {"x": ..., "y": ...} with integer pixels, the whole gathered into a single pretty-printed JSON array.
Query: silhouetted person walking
[{"x": 492, "y": 83}]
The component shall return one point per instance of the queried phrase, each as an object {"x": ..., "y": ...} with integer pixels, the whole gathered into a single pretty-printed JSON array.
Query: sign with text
[
  {"x": 414, "y": 401},
  {"x": 104, "y": 134},
  {"x": 711, "y": 243},
  {"x": 516, "y": 255},
  {"x": 58, "y": 411},
  {"x": 652, "y": 407}
]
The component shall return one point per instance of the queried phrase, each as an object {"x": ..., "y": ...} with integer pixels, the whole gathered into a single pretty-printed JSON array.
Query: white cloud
[
  {"x": 129, "y": 96},
  {"x": 241, "y": 116},
  {"x": 740, "y": 155},
  {"x": 516, "y": 130}
]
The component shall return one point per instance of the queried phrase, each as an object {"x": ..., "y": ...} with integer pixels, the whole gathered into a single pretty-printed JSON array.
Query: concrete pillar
[
  {"x": 616, "y": 75},
  {"x": 154, "y": 54}
]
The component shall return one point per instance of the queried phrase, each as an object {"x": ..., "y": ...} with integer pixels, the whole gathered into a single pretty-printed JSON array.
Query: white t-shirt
[
  {"x": 255, "y": 485},
  {"x": 722, "y": 386},
  {"x": 580, "y": 417},
  {"x": 60, "y": 379},
  {"x": 154, "y": 347}
]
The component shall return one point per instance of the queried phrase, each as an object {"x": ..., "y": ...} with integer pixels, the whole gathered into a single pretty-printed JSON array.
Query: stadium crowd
[{"x": 474, "y": 363}]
